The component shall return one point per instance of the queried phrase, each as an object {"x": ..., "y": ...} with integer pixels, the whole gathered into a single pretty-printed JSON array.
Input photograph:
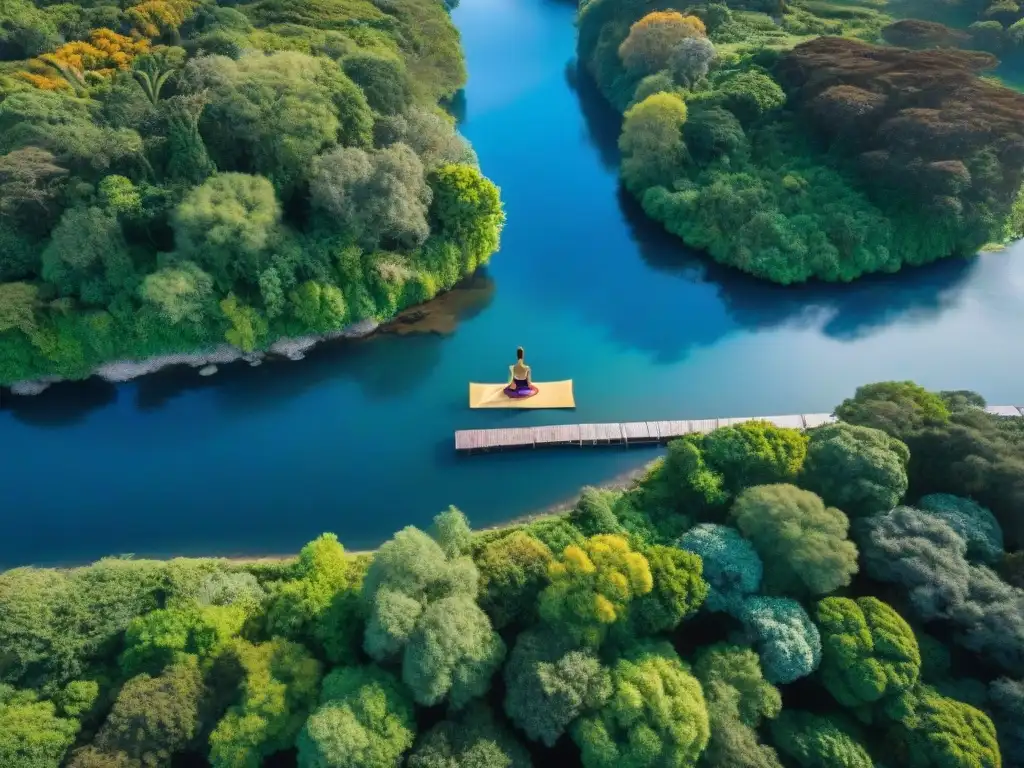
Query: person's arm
[
  {"x": 511, "y": 375},
  {"x": 529, "y": 374}
]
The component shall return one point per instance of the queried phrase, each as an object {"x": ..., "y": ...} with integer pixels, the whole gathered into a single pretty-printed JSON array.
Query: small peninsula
[
  {"x": 179, "y": 174},
  {"x": 848, "y": 596},
  {"x": 785, "y": 142}
]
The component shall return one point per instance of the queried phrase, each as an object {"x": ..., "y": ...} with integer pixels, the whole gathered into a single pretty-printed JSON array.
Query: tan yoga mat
[{"x": 550, "y": 394}]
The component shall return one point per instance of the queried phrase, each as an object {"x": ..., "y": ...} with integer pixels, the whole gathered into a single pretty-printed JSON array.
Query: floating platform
[{"x": 637, "y": 432}]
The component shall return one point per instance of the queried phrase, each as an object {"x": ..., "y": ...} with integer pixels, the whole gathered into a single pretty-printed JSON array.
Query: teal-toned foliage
[
  {"x": 731, "y": 565},
  {"x": 976, "y": 525},
  {"x": 786, "y": 639}
]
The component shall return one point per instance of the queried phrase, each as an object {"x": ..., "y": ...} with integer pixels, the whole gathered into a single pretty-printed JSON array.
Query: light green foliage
[
  {"x": 652, "y": 141},
  {"x": 365, "y": 720},
  {"x": 730, "y": 565},
  {"x": 276, "y": 111},
  {"x": 278, "y": 690},
  {"x": 467, "y": 210},
  {"x": 868, "y": 651},
  {"x": 451, "y": 530},
  {"x": 77, "y": 698},
  {"x": 750, "y": 94},
  {"x": 248, "y": 329},
  {"x": 976, "y": 525},
  {"x": 895, "y": 407},
  {"x": 154, "y": 717},
  {"x": 592, "y": 587},
  {"x": 452, "y": 653},
  {"x": 857, "y": 469},
  {"x": 682, "y": 484},
  {"x": 180, "y": 293},
  {"x": 556, "y": 533},
  {"x": 817, "y": 742},
  {"x": 939, "y": 732},
  {"x": 158, "y": 638},
  {"x": 593, "y": 512},
  {"x": 422, "y": 606},
  {"x": 55, "y": 624},
  {"x": 755, "y": 453},
  {"x": 473, "y": 740},
  {"x": 31, "y": 733},
  {"x": 738, "y": 697},
  {"x": 549, "y": 682},
  {"x": 227, "y": 226},
  {"x": 656, "y": 714},
  {"x": 804, "y": 540},
  {"x": 787, "y": 640},
  {"x": 318, "y": 306},
  {"x": 679, "y": 590},
  {"x": 375, "y": 196},
  {"x": 513, "y": 571},
  {"x": 120, "y": 197},
  {"x": 231, "y": 588},
  {"x": 320, "y": 606}
]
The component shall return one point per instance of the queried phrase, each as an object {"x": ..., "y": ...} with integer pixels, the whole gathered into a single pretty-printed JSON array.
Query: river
[{"x": 357, "y": 438}]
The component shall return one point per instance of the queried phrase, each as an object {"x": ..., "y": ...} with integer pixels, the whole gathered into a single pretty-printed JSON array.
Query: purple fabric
[{"x": 520, "y": 389}]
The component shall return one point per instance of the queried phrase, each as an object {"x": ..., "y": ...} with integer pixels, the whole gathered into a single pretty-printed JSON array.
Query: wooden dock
[{"x": 637, "y": 432}]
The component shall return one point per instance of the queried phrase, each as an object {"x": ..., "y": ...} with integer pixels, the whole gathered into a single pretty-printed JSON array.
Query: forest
[
  {"x": 843, "y": 597},
  {"x": 811, "y": 139},
  {"x": 175, "y": 174}
]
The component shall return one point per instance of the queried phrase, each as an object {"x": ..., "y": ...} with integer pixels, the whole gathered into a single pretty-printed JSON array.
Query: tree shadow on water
[
  {"x": 384, "y": 366},
  {"x": 61, "y": 404}
]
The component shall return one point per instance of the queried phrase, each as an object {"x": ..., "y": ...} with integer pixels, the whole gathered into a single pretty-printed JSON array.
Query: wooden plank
[
  {"x": 1003, "y": 410},
  {"x": 653, "y": 429},
  {"x": 703, "y": 425},
  {"x": 635, "y": 430},
  {"x": 566, "y": 433},
  {"x": 588, "y": 433},
  {"x": 674, "y": 428},
  {"x": 610, "y": 432},
  {"x": 520, "y": 436},
  {"x": 1020, "y": 408}
]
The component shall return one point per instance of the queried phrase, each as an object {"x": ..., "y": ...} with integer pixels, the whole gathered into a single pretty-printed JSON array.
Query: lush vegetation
[
  {"x": 851, "y": 596},
  {"x": 175, "y": 174},
  {"x": 784, "y": 141}
]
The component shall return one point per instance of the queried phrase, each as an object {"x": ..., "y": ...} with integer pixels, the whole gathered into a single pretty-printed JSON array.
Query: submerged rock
[{"x": 208, "y": 370}]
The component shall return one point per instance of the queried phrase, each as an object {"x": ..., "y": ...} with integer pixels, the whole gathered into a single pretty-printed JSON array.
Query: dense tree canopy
[
  {"x": 731, "y": 565},
  {"x": 178, "y": 175}
]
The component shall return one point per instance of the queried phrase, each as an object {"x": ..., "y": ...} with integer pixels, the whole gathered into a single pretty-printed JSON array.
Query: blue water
[{"x": 357, "y": 438}]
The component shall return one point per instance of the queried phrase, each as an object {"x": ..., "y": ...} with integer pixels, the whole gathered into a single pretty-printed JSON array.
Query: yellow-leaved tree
[{"x": 651, "y": 40}]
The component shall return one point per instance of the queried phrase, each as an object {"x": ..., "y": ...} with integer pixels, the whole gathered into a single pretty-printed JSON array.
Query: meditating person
[{"x": 519, "y": 384}]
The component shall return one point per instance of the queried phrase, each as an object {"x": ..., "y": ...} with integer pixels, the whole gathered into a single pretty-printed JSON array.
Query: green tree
[
  {"x": 383, "y": 79},
  {"x": 868, "y": 651},
  {"x": 738, "y": 698},
  {"x": 860, "y": 470},
  {"x": 803, "y": 539},
  {"x": 320, "y": 307},
  {"x": 248, "y": 328},
  {"x": 31, "y": 733},
  {"x": 652, "y": 141},
  {"x": 513, "y": 571},
  {"x": 472, "y": 740},
  {"x": 933, "y": 730},
  {"x": 227, "y": 226},
  {"x": 895, "y": 407},
  {"x": 451, "y": 530},
  {"x": 18, "y": 302},
  {"x": 549, "y": 682},
  {"x": 180, "y": 293},
  {"x": 592, "y": 587},
  {"x": 817, "y": 742},
  {"x": 652, "y": 40},
  {"x": 154, "y": 717},
  {"x": 656, "y": 714},
  {"x": 679, "y": 591},
  {"x": 467, "y": 210},
  {"x": 365, "y": 720},
  {"x": 975, "y": 524},
  {"x": 278, "y": 690},
  {"x": 755, "y": 453},
  {"x": 155, "y": 640},
  {"x": 87, "y": 256},
  {"x": 749, "y": 94}
]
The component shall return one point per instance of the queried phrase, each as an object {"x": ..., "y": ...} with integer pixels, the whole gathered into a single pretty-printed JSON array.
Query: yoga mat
[{"x": 550, "y": 394}]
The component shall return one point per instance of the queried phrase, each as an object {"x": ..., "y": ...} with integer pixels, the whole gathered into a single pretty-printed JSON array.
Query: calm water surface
[{"x": 358, "y": 437}]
